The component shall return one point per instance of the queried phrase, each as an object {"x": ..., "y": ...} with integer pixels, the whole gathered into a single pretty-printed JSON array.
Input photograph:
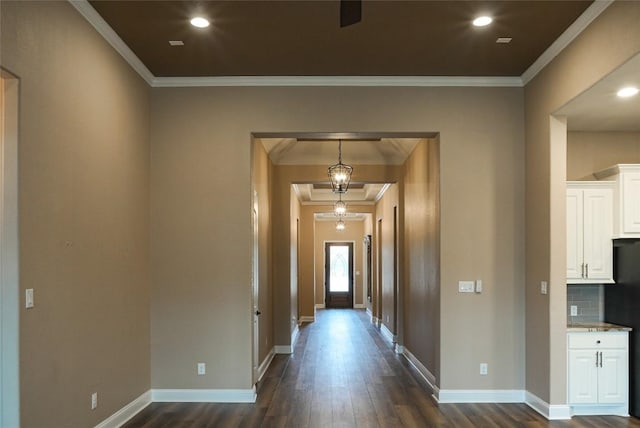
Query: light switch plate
[
  {"x": 28, "y": 298},
  {"x": 543, "y": 287},
  {"x": 466, "y": 286},
  {"x": 478, "y": 286}
]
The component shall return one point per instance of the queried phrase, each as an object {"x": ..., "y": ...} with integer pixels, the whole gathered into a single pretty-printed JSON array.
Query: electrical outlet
[
  {"x": 94, "y": 401},
  {"x": 484, "y": 369},
  {"x": 574, "y": 310},
  {"x": 202, "y": 369}
]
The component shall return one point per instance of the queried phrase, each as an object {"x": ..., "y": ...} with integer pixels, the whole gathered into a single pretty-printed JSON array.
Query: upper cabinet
[
  {"x": 589, "y": 230},
  {"x": 626, "y": 198}
]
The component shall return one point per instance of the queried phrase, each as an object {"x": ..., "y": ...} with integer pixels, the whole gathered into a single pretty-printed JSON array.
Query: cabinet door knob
[
  {"x": 597, "y": 341},
  {"x": 258, "y": 312}
]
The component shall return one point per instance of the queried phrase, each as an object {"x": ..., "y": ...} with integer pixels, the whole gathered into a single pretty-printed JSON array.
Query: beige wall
[
  {"x": 307, "y": 281},
  {"x": 84, "y": 217},
  {"x": 422, "y": 255},
  {"x": 311, "y": 285},
  {"x": 481, "y": 188},
  {"x": 589, "y": 152},
  {"x": 326, "y": 232},
  {"x": 294, "y": 257},
  {"x": 387, "y": 216},
  {"x": 611, "y": 39},
  {"x": 368, "y": 230}
]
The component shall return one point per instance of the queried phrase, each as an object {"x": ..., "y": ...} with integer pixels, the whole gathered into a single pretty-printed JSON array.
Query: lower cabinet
[{"x": 598, "y": 373}]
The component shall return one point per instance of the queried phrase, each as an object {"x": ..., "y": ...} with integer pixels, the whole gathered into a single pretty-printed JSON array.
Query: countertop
[{"x": 595, "y": 326}]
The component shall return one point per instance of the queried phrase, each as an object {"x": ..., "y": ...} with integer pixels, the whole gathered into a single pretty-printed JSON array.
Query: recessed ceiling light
[
  {"x": 629, "y": 91},
  {"x": 176, "y": 42},
  {"x": 482, "y": 21},
  {"x": 503, "y": 40},
  {"x": 200, "y": 22}
]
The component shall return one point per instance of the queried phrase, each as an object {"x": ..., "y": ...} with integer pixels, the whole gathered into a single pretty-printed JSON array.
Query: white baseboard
[
  {"x": 599, "y": 409},
  {"x": 386, "y": 333},
  {"x": 319, "y": 305},
  {"x": 204, "y": 395},
  {"x": 262, "y": 369},
  {"x": 480, "y": 396},
  {"x": 294, "y": 337},
  {"x": 424, "y": 372},
  {"x": 307, "y": 318},
  {"x": 120, "y": 417},
  {"x": 549, "y": 411},
  {"x": 283, "y": 349},
  {"x": 359, "y": 306},
  {"x": 288, "y": 349}
]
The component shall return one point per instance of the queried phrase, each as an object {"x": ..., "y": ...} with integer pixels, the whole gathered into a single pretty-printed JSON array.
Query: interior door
[
  {"x": 338, "y": 274},
  {"x": 255, "y": 274}
]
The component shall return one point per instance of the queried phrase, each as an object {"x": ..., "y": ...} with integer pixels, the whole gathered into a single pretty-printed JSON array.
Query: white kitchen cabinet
[
  {"x": 626, "y": 198},
  {"x": 589, "y": 232},
  {"x": 598, "y": 373}
]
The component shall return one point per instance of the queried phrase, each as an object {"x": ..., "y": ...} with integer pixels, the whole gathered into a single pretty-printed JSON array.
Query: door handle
[
  {"x": 586, "y": 267},
  {"x": 600, "y": 359},
  {"x": 582, "y": 270},
  {"x": 258, "y": 312},
  {"x": 597, "y": 358}
]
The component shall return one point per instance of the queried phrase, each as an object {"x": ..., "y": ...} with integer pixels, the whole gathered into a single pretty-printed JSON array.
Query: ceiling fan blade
[{"x": 350, "y": 12}]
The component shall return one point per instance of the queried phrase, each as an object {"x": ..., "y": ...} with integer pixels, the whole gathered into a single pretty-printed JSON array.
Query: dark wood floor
[{"x": 343, "y": 374}]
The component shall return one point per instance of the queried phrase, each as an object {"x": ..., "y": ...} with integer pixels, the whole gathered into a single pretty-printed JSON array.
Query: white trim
[
  {"x": 123, "y": 415},
  {"x": 386, "y": 333},
  {"x": 294, "y": 337},
  {"x": 307, "y": 318},
  {"x": 10, "y": 301},
  {"x": 288, "y": 349},
  {"x": 481, "y": 396},
  {"x": 264, "y": 365},
  {"x": 204, "y": 395},
  {"x": 319, "y": 305},
  {"x": 573, "y": 31},
  {"x": 402, "y": 81},
  {"x": 551, "y": 412},
  {"x": 422, "y": 370},
  {"x": 112, "y": 38},
  {"x": 283, "y": 349},
  {"x": 600, "y": 409}
]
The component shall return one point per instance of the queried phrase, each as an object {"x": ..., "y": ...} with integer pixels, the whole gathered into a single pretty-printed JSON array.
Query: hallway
[{"x": 344, "y": 374}]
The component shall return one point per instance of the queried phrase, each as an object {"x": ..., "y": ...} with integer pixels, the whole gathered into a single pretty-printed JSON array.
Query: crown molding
[
  {"x": 112, "y": 37},
  {"x": 578, "y": 26},
  {"x": 410, "y": 81}
]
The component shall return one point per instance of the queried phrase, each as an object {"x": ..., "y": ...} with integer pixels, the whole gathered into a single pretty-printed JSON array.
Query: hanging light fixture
[
  {"x": 340, "y": 207},
  {"x": 340, "y": 225},
  {"x": 340, "y": 174}
]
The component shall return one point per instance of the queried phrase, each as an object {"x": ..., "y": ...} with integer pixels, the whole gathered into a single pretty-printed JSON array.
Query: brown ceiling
[{"x": 303, "y": 38}]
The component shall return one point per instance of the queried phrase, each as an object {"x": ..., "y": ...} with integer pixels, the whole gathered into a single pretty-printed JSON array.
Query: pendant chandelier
[
  {"x": 340, "y": 225},
  {"x": 340, "y": 207},
  {"x": 339, "y": 174}
]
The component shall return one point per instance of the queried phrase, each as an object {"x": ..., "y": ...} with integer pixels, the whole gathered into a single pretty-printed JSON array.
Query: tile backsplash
[{"x": 590, "y": 302}]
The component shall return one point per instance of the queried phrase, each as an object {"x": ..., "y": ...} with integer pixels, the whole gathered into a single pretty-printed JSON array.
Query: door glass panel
[{"x": 338, "y": 268}]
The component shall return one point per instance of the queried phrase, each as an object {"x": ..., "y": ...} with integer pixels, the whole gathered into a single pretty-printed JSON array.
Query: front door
[{"x": 338, "y": 274}]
